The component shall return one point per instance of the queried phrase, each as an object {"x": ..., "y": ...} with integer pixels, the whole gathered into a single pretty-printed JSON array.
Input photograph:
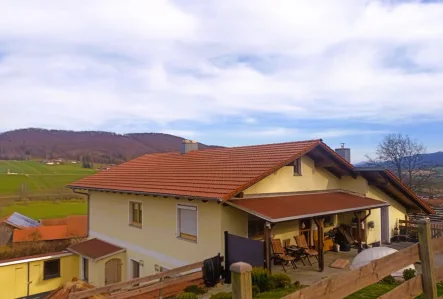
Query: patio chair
[
  {"x": 280, "y": 254},
  {"x": 307, "y": 251}
]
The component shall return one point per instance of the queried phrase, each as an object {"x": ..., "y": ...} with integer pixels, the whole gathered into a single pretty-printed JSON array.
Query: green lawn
[
  {"x": 378, "y": 289},
  {"x": 38, "y": 178},
  {"x": 46, "y": 209}
]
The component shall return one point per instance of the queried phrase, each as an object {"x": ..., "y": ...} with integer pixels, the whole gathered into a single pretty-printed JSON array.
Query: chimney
[
  {"x": 188, "y": 145},
  {"x": 345, "y": 153}
]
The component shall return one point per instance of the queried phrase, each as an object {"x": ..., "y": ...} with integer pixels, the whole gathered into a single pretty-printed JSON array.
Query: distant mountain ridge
[
  {"x": 434, "y": 159},
  {"x": 101, "y": 147}
]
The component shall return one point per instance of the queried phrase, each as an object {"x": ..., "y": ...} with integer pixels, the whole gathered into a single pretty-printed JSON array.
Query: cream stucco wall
[
  {"x": 396, "y": 212},
  {"x": 312, "y": 179},
  {"x": 97, "y": 269},
  {"x": 156, "y": 242}
]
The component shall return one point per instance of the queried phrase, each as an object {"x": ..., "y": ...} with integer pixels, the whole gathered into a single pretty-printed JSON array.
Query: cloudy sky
[{"x": 226, "y": 72}]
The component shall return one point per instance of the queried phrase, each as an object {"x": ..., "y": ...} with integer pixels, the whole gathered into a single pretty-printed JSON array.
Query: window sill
[
  {"x": 187, "y": 240},
  {"x": 136, "y": 225},
  {"x": 52, "y": 277},
  {"x": 297, "y": 174}
]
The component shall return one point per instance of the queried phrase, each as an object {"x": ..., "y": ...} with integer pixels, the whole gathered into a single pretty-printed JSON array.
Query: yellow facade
[
  {"x": 97, "y": 269},
  {"x": 14, "y": 276},
  {"x": 396, "y": 212},
  {"x": 156, "y": 244}
]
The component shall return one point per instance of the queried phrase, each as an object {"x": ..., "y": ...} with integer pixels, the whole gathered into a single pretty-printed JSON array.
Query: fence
[
  {"x": 163, "y": 284},
  {"x": 410, "y": 227},
  {"x": 343, "y": 285}
]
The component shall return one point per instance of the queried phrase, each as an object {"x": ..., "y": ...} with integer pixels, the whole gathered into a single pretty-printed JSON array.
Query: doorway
[
  {"x": 385, "y": 230},
  {"x": 113, "y": 271}
]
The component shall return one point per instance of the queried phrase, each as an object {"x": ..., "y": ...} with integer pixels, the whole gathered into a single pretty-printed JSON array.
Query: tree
[
  {"x": 404, "y": 156},
  {"x": 86, "y": 162}
]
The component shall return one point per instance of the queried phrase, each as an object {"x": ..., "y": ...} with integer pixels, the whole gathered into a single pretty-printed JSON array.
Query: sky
[{"x": 226, "y": 72}]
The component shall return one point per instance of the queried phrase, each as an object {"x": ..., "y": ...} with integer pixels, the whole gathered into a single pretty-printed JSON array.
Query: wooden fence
[
  {"x": 410, "y": 227},
  {"x": 346, "y": 284},
  {"x": 163, "y": 284}
]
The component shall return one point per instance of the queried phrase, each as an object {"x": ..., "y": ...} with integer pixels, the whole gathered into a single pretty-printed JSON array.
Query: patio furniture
[
  {"x": 307, "y": 250},
  {"x": 280, "y": 254},
  {"x": 296, "y": 252}
]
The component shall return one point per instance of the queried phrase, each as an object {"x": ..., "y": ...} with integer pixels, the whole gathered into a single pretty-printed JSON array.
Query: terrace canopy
[{"x": 278, "y": 208}]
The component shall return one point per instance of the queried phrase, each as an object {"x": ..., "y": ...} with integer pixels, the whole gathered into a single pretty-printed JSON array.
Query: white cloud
[
  {"x": 80, "y": 65},
  {"x": 342, "y": 133}
]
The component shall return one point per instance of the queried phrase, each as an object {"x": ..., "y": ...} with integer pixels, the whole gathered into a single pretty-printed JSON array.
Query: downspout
[
  {"x": 29, "y": 282},
  {"x": 88, "y": 202}
]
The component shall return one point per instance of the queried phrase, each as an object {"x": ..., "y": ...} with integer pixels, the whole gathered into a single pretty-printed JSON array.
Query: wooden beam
[
  {"x": 267, "y": 233},
  {"x": 320, "y": 222},
  {"x": 324, "y": 164},
  {"x": 359, "y": 222}
]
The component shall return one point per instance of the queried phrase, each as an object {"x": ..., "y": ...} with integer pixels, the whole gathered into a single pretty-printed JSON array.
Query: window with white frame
[{"x": 187, "y": 222}]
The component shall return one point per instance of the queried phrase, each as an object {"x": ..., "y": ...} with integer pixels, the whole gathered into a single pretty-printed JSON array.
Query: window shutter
[{"x": 188, "y": 220}]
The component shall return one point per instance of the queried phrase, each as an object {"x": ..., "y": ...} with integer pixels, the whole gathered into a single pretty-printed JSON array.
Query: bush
[
  {"x": 389, "y": 280},
  {"x": 222, "y": 295},
  {"x": 260, "y": 278},
  {"x": 408, "y": 274},
  {"x": 281, "y": 280},
  {"x": 255, "y": 291},
  {"x": 296, "y": 284},
  {"x": 195, "y": 289},
  {"x": 187, "y": 296}
]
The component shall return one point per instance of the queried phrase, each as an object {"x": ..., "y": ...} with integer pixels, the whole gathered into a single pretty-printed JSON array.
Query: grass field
[
  {"x": 38, "y": 178},
  {"x": 46, "y": 209}
]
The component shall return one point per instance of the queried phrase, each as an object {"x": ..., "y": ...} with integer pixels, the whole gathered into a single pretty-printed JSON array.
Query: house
[
  {"x": 11, "y": 222},
  {"x": 53, "y": 229},
  {"x": 36, "y": 276},
  {"x": 165, "y": 210}
]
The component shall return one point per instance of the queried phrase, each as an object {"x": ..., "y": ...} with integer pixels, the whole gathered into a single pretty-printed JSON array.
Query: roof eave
[{"x": 177, "y": 196}]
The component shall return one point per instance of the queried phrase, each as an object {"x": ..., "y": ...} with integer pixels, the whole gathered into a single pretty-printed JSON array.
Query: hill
[
  {"x": 101, "y": 147},
  {"x": 432, "y": 159}
]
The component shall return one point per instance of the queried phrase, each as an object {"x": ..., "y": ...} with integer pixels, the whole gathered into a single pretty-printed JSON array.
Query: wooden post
[
  {"x": 241, "y": 281},
  {"x": 427, "y": 259},
  {"x": 267, "y": 234},
  {"x": 320, "y": 225},
  {"x": 359, "y": 247}
]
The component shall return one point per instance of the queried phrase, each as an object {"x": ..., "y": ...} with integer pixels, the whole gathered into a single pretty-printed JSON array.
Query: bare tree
[{"x": 404, "y": 156}]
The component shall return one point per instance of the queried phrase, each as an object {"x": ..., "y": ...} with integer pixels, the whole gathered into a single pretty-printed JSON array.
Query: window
[
  {"x": 51, "y": 269},
  {"x": 136, "y": 213},
  {"x": 85, "y": 269},
  {"x": 135, "y": 269},
  {"x": 187, "y": 222},
  {"x": 297, "y": 167}
]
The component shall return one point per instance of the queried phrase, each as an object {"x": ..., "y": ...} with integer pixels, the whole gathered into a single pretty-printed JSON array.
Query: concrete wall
[{"x": 14, "y": 278}]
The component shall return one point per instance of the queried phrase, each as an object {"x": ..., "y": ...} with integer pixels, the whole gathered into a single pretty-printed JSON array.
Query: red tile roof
[
  {"x": 75, "y": 227},
  {"x": 287, "y": 207},
  {"x": 208, "y": 173},
  {"x": 95, "y": 248}
]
